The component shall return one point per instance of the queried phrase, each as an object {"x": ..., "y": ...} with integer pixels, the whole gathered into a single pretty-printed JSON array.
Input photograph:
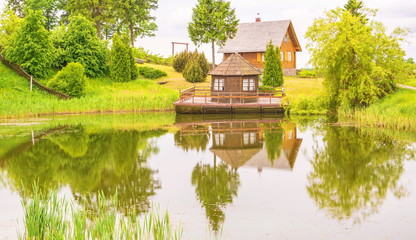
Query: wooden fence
[{"x": 23, "y": 73}]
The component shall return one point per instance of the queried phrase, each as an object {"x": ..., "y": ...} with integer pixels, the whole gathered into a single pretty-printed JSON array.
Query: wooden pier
[{"x": 203, "y": 100}]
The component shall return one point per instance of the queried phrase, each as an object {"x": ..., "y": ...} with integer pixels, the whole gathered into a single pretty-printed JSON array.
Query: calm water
[{"x": 225, "y": 177}]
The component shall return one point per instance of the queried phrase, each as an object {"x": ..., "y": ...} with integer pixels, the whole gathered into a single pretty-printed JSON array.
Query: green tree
[
  {"x": 10, "y": 23},
  {"x": 273, "y": 73},
  {"x": 98, "y": 11},
  {"x": 70, "y": 80},
  {"x": 31, "y": 46},
  {"x": 50, "y": 9},
  {"x": 122, "y": 65},
  {"x": 356, "y": 8},
  {"x": 213, "y": 21},
  {"x": 360, "y": 62},
  {"x": 135, "y": 16},
  {"x": 83, "y": 46}
]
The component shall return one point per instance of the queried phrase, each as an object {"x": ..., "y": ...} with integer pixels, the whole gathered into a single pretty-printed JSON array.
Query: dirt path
[{"x": 405, "y": 86}]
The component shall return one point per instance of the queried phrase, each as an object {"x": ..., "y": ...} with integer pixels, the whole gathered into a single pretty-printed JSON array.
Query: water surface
[{"x": 226, "y": 177}]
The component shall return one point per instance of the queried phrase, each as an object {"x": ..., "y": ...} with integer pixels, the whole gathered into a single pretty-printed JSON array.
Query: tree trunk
[
  {"x": 213, "y": 54},
  {"x": 131, "y": 28}
]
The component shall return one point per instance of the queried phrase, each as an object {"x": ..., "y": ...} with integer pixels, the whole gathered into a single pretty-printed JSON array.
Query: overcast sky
[{"x": 172, "y": 17}]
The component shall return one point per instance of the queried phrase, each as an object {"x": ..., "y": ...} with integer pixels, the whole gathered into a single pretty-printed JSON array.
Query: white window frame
[
  {"x": 289, "y": 56},
  {"x": 219, "y": 139},
  {"x": 218, "y": 84},
  {"x": 249, "y": 138},
  {"x": 282, "y": 56},
  {"x": 249, "y": 85}
]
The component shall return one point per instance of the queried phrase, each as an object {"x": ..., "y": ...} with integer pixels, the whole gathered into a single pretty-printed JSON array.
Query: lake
[{"x": 219, "y": 176}]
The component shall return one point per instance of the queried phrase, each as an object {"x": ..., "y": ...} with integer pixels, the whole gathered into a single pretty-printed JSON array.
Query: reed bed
[{"x": 53, "y": 217}]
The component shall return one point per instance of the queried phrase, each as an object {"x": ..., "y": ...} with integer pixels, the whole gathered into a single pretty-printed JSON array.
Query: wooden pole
[{"x": 31, "y": 82}]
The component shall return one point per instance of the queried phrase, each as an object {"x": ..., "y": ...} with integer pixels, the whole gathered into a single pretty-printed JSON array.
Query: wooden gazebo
[{"x": 234, "y": 89}]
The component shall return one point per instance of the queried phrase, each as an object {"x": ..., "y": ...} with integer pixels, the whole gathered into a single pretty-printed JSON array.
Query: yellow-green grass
[
  {"x": 101, "y": 95},
  {"x": 396, "y": 111}
]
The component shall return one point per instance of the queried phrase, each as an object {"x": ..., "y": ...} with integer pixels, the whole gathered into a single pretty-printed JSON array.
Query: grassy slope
[
  {"x": 102, "y": 95},
  {"x": 397, "y": 111}
]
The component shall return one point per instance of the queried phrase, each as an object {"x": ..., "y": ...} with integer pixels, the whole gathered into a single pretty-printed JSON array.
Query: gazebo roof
[{"x": 235, "y": 65}]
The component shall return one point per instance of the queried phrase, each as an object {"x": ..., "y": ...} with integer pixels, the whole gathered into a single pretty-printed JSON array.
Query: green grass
[
  {"x": 102, "y": 95},
  {"x": 53, "y": 217},
  {"x": 396, "y": 111}
]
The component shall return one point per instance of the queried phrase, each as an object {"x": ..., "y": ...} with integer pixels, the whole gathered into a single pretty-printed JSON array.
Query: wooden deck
[{"x": 202, "y": 100}]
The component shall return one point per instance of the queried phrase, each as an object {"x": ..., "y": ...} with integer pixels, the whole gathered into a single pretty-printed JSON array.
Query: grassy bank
[
  {"x": 102, "y": 95},
  {"x": 397, "y": 111}
]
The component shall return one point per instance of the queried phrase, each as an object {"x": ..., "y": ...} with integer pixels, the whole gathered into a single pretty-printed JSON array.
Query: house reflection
[{"x": 260, "y": 143}]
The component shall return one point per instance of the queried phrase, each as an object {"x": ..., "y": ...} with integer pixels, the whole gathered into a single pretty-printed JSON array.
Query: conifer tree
[
  {"x": 31, "y": 46},
  {"x": 83, "y": 46},
  {"x": 273, "y": 74},
  {"x": 193, "y": 71},
  {"x": 122, "y": 65}
]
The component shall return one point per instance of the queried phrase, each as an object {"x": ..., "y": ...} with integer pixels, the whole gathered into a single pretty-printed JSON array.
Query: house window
[
  {"x": 218, "y": 84},
  {"x": 249, "y": 85},
  {"x": 262, "y": 57},
  {"x": 219, "y": 139},
  {"x": 282, "y": 56},
  {"x": 286, "y": 38},
  {"x": 249, "y": 138},
  {"x": 289, "y": 56}
]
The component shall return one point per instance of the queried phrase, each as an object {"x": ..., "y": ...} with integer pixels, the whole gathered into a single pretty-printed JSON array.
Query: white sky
[{"x": 173, "y": 17}]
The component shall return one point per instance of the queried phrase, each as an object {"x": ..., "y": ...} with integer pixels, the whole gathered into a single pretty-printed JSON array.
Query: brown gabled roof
[
  {"x": 253, "y": 37},
  {"x": 235, "y": 65}
]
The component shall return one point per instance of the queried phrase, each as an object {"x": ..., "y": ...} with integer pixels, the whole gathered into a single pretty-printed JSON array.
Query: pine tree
[
  {"x": 273, "y": 74},
  {"x": 213, "y": 21},
  {"x": 122, "y": 65},
  {"x": 193, "y": 71},
  {"x": 31, "y": 46},
  {"x": 82, "y": 45}
]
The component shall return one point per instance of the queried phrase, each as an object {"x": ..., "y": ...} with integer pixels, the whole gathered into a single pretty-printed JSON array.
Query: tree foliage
[
  {"x": 70, "y": 80},
  {"x": 135, "y": 16},
  {"x": 31, "y": 46},
  {"x": 273, "y": 73},
  {"x": 82, "y": 45},
  {"x": 122, "y": 65},
  {"x": 359, "y": 60},
  {"x": 180, "y": 61},
  {"x": 10, "y": 23},
  {"x": 193, "y": 71},
  {"x": 213, "y": 21}
]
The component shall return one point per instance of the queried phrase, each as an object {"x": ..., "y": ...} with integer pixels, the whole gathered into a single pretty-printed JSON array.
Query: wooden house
[
  {"x": 252, "y": 38},
  {"x": 235, "y": 74}
]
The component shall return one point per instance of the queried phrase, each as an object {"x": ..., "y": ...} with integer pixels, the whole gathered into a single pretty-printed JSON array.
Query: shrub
[
  {"x": 203, "y": 63},
  {"x": 70, "y": 80},
  {"x": 151, "y": 73},
  {"x": 148, "y": 57},
  {"x": 82, "y": 45},
  {"x": 306, "y": 73},
  {"x": 122, "y": 65},
  {"x": 31, "y": 46},
  {"x": 193, "y": 71},
  {"x": 180, "y": 61}
]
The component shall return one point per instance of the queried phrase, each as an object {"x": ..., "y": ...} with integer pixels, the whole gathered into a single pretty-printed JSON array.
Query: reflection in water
[
  {"x": 256, "y": 143},
  {"x": 353, "y": 171},
  {"x": 89, "y": 163},
  {"x": 215, "y": 187}
]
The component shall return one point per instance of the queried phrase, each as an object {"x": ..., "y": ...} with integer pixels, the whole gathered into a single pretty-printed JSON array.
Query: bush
[
  {"x": 122, "y": 65},
  {"x": 148, "y": 57},
  {"x": 193, "y": 71},
  {"x": 151, "y": 73},
  {"x": 70, "y": 80},
  {"x": 82, "y": 45},
  {"x": 180, "y": 61},
  {"x": 306, "y": 73}
]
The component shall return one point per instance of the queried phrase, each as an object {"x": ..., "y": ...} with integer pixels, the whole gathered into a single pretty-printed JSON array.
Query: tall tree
[
  {"x": 99, "y": 11},
  {"x": 213, "y": 21},
  {"x": 360, "y": 61},
  {"x": 356, "y": 8},
  {"x": 82, "y": 45},
  {"x": 273, "y": 74},
  {"x": 135, "y": 15},
  {"x": 10, "y": 23},
  {"x": 31, "y": 46}
]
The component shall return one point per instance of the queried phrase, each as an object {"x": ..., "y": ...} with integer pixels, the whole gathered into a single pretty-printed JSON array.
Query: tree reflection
[
  {"x": 215, "y": 187},
  {"x": 195, "y": 140},
  {"x": 353, "y": 172},
  {"x": 107, "y": 161},
  {"x": 273, "y": 137}
]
